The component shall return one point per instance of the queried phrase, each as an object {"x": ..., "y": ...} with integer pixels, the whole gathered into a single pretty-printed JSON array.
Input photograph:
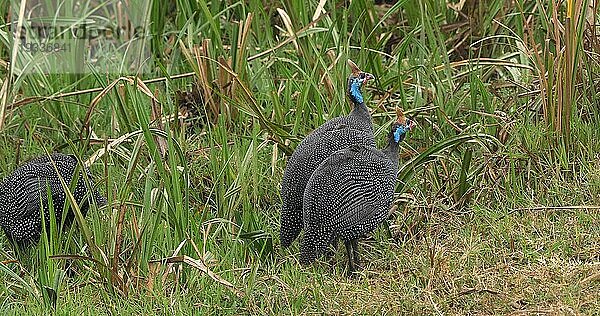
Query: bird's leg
[
  {"x": 348, "y": 245},
  {"x": 331, "y": 250},
  {"x": 355, "y": 252}
]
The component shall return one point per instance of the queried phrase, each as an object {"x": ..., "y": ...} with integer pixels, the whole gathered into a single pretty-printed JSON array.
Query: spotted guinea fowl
[
  {"x": 22, "y": 193},
  {"x": 349, "y": 195},
  {"x": 333, "y": 135}
]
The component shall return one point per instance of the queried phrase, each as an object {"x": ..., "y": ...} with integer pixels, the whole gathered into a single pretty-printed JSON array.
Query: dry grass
[{"x": 493, "y": 218}]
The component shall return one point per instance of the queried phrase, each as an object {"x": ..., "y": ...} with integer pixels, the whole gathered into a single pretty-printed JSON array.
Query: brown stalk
[
  {"x": 226, "y": 86},
  {"x": 558, "y": 76},
  {"x": 204, "y": 77},
  {"x": 224, "y": 79},
  {"x": 3, "y": 100},
  {"x": 243, "y": 40},
  {"x": 568, "y": 88},
  {"x": 118, "y": 244},
  {"x": 157, "y": 118},
  {"x": 557, "y": 72}
]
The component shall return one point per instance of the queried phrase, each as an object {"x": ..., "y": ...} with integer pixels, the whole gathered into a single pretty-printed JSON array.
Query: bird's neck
[
  {"x": 392, "y": 149},
  {"x": 356, "y": 94},
  {"x": 360, "y": 109}
]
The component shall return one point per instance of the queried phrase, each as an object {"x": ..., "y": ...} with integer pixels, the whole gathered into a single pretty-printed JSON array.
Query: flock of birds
[{"x": 336, "y": 185}]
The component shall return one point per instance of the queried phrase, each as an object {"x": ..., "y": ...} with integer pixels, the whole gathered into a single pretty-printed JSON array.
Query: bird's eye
[{"x": 361, "y": 76}]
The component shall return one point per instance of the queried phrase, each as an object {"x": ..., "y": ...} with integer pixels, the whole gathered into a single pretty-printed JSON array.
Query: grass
[{"x": 495, "y": 214}]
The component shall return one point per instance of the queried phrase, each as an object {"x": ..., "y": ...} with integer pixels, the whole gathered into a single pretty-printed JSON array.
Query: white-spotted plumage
[
  {"x": 335, "y": 134},
  {"x": 348, "y": 196},
  {"x": 26, "y": 189}
]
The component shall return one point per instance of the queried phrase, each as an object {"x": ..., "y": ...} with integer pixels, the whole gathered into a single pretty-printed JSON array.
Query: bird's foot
[{"x": 354, "y": 269}]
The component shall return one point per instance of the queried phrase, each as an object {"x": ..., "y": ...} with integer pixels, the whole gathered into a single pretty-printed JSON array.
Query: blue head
[
  {"x": 399, "y": 131},
  {"x": 401, "y": 127},
  {"x": 355, "y": 82}
]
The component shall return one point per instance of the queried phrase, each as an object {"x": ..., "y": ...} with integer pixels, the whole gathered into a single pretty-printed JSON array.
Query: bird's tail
[
  {"x": 314, "y": 244},
  {"x": 291, "y": 225},
  {"x": 308, "y": 250}
]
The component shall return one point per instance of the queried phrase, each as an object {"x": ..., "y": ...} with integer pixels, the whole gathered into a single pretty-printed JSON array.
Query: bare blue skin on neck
[
  {"x": 355, "y": 91},
  {"x": 393, "y": 142},
  {"x": 400, "y": 131}
]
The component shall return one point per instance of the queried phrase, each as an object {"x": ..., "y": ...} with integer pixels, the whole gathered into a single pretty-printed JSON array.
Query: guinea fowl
[
  {"x": 349, "y": 195},
  {"x": 26, "y": 189},
  {"x": 335, "y": 134}
]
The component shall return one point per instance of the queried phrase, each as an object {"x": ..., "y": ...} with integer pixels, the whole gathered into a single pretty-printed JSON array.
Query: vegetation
[{"x": 498, "y": 189}]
